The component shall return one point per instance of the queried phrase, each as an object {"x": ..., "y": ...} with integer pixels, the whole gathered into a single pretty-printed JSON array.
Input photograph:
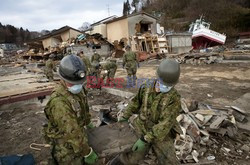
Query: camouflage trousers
[
  {"x": 110, "y": 74},
  {"x": 164, "y": 151},
  {"x": 131, "y": 71},
  {"x": 64, "y": 155},
  {"x": 50, "y": 77},
  {"x": 49, "y": 74}
]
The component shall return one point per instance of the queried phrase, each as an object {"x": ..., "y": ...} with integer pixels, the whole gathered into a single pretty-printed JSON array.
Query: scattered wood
[{"x": 217, "y": 122}]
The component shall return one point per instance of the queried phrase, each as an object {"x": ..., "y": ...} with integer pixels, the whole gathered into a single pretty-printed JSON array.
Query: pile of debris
[
  {"x": 94, "y": 41},
  {"x": 90, "y": 40},
  {"x": 201, "y": 125},
  {"x": 198, "y": 58},
  {"x": 199, "y": 122}
]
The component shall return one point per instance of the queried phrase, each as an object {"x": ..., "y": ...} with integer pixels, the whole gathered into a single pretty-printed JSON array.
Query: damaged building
[{"x": 56, "y": 37}]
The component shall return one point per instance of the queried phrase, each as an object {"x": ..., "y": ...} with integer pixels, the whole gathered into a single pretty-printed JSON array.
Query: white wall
[
  {"x": 117, "y": 30},
  {"x": 102, "y": 29}
]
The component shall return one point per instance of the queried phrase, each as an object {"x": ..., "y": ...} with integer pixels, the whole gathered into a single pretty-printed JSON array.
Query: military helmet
[
  {"x": 72, "y": 69},
  {"x": 127, "y": 47},
  {"x": 52, "y": 56},
  {"x": 169, "y": 72}
]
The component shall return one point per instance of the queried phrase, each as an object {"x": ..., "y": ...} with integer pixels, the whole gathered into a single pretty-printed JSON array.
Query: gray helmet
[
  {"x": 72, "y": 69},
  {"x": 52, "y": 56},
  {"x": 127, "y": 47},
  {"x": 169, "y": 72}
]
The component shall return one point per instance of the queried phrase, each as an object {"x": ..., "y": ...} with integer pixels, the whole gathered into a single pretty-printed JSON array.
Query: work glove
[
  {"x": 91, "y": 158},
  {"x": 139, "y": 145},
  {"x": 120, "y": 117},
  {"x": 90, "y": 125}
]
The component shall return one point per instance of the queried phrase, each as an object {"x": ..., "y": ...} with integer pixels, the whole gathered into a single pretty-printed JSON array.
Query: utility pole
[{"x": 108, "y": 9}]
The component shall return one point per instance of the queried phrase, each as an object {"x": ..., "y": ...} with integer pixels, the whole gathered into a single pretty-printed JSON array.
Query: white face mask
[
  {"x": 75, "y": 89},
  {"x": 163, "y": 88}
]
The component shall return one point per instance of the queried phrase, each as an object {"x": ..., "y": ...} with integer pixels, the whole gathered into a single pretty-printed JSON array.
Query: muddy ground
[{"x": 220, "y": 84}]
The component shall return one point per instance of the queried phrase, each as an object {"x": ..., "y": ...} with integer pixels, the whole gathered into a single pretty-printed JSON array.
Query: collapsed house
[
  {"x": 60, "y": 41},
  {"x": 141, "y": 31},
  {"x": 54, "y": 42}
]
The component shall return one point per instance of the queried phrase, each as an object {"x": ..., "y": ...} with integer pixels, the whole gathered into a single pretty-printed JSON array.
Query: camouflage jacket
[
  {"x": 110, "y": 65},
  {"x": 129, "y": 58},
  {"x": 86, "y": 62},
  {"x": 49, "y": 65},
  {"x": 67, "y": 115},
  {"x": 96, "y": 58},
  {"x": 156, "y": 111}
]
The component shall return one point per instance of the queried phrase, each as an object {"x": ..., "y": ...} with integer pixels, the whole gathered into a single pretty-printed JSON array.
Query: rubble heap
[
  {"x": 199, "y": 123},
  {"x": 209, "y": 132},
  {"x": 198, "y": 58}
]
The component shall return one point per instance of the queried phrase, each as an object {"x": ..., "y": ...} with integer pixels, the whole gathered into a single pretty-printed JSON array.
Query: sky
[{"x": 37, "y": 15}]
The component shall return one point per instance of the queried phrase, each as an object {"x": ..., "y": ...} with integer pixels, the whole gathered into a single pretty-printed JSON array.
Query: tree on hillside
[
  {"x": 126, "y": 8},
  {"x": 135, "y": 4},
  {"x": 11, "y": 34}
]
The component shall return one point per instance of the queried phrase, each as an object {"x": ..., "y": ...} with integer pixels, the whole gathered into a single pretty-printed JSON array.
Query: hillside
[
  {"x": 11, "y": 34},
  {"x": 226, "y": 16}
]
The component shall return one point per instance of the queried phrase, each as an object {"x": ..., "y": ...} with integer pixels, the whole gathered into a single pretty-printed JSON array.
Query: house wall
[
  {"x": 55, "y": 42},
  {"x": 104, "y": 51},
  {"x": 117, "y": 30},
  {"x": 73, "y": 33},
  {"x": 65, "y": 36},
  {"x": 69, "y": 34},
  {"x": 46, "y": 43},
  {"x": 102, "y": 29},
  {"x": 136, "y": 19},
  {"x": 180, "y": 43}
]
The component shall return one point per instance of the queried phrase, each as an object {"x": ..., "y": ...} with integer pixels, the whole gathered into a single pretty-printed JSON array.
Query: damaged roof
[
  {"x": 104, "y": 20},
  {"x": 55, "y": 32},
  {"x": 130, "y": 15}
]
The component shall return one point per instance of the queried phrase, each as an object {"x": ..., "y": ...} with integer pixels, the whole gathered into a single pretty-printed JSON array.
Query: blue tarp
[{"x": 27, "y": 159}]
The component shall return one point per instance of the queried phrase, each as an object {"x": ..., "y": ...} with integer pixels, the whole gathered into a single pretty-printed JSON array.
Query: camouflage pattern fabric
[
  {"x": 87, "y": 64},
  {"x": 130, "y": 62},
  {"x": 67, "y": 115},
  {"x": 49, "y": 68},
  {"x": 111, "y": 67},
  {"x": 96, "y": 58},
  {"x": 156, "y": 122}
]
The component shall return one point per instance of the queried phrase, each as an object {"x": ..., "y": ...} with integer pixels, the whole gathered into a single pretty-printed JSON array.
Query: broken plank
[
  {"x": 98, "y": 108},
  {"x": 217, "y": 122},
  {"x": 238, "y": 109},
  {"x": 238, "y": 116}
]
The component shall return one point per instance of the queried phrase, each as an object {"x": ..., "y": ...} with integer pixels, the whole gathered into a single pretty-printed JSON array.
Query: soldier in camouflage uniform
[
  {"x": 68, "y": 113},
  {"x": 49, "y": 68},
  {"x": 110, "y": 69},
  {"x": 157, "y": 107},
  {"x": 95, "y": 62},
  {"x": 86, "y": 62},
  {"x": 130, "y": 62},
  {"x": 96, "y": 58}
]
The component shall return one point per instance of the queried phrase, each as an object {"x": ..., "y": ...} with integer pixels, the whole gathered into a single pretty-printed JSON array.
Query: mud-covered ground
[{"x": 220, "y": 84}]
